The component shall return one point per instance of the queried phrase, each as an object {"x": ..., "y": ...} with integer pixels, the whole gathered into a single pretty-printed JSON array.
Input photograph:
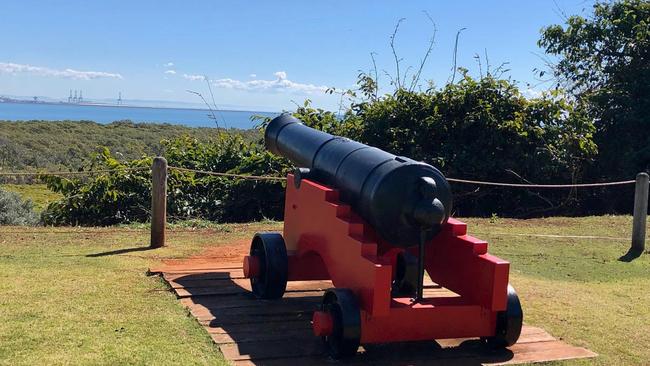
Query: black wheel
[
  {"x": 509, "y": 323},
  {"x": 346, "y": 316},
  {"x": 271, "y": 282}
]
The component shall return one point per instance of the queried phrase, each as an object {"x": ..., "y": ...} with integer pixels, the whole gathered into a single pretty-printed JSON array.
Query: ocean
[{"x": 108, "y": 114}]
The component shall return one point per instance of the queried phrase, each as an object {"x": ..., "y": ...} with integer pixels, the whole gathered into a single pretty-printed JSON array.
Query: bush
[
  {"x": 224, "y": 199},
  {"x": 486, "y": 130},
  {"x": 124, "y": 196},
  {"x": 121, "y": 196},
  {"x": 15, "y": 211}
]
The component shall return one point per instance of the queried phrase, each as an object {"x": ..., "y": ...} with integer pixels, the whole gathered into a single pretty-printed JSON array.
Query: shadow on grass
[
  {"x": 119, "y": 251},
  {"x": 631, "y": 255}
]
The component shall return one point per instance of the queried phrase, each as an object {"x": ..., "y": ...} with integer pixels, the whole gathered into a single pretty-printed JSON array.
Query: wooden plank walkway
[{"x": 249, "y": 331}]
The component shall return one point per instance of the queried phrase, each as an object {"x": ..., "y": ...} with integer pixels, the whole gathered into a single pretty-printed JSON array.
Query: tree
[
  {"x": 604, "y": 61},
  {"x": 485, "y": 129}
]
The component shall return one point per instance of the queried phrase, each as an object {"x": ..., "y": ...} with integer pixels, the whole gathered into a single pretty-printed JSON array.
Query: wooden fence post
[
  {"x": 640, "y": 213},
  {"x": 158, "y": 202}
]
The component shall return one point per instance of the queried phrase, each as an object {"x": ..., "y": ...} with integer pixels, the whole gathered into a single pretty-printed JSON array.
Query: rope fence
[
  {"x": 455, "y": 180},
  {"x": 525, "y": 185},
  {"x": 273, "y": 178},
  {"x": 229, "y": 175},
  {"x": 60, "y": 173}
]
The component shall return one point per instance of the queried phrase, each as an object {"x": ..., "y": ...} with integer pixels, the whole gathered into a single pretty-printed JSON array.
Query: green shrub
[
  {"x": 486, "y": 130},
  {"x": 15, "y": 211},
  {"x": 124, "y": 196}
]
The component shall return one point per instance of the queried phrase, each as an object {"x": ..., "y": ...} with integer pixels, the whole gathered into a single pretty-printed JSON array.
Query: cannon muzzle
[{"x": 398, "y": 196}]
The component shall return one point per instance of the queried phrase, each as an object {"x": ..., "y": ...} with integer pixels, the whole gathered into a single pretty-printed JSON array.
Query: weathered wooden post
[
  {"x": 640, "y": 213},
  {"x": 158, "y": 201}
]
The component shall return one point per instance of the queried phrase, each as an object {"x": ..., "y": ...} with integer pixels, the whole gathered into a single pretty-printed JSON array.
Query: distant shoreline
[
  {"x": 14, "y": 101},
  {"x": 106, "y": 113}
]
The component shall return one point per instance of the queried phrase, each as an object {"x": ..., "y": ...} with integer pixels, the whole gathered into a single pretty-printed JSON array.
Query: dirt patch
[{"x": 226, "y": 253}]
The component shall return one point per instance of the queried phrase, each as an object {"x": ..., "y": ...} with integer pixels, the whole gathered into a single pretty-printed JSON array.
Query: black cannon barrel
[{"x": 398, "y": 196}]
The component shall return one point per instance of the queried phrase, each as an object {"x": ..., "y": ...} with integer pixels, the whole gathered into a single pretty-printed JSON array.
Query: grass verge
[
  {"x": 81, "y": 296},
  {"x": 576, "y": 288}
]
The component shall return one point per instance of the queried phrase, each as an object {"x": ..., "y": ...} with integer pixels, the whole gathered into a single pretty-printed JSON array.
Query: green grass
[
  {"x": 59, "y": 306},
  {"x": 577, "y": 289},
  {"x": 40, "y": 195}
]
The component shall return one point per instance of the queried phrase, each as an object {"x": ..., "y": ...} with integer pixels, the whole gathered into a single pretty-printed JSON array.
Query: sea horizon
[{"x": 107, "y": 113}]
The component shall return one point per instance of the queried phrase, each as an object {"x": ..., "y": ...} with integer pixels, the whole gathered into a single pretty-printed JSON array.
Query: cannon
[{"x": 376, "y": 224}]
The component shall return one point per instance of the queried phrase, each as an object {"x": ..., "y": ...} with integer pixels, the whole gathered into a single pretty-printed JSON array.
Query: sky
[{"x": 258, "y": 55}]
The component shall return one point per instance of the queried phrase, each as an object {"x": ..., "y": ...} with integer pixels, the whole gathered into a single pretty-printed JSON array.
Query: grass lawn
[
  {"x": 40, "y": 195},
  {"x": 81, "y": 296}
]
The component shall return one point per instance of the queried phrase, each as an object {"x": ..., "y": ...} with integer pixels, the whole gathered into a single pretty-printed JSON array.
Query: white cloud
[
  {"x": 13, "y": 69},
  {"x": 279, "y": 84},
  {"x": 169, "y": 64},
  {"x": 531, "y": 93},
  {"x": 170, "y": 72},
  {"x": 194, "y": 77},
  {"x": 252, "y": 75}
]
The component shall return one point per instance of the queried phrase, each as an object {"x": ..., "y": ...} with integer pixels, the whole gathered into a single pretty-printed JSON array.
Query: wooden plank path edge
[{"x": 249, "y": 331}]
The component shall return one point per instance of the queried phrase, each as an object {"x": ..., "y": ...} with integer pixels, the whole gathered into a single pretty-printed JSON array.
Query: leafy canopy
[{"x": 604, "y": 61}]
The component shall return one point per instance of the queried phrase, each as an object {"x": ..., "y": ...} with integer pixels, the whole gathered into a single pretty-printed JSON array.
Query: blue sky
[{"x": 259, "y": 55}]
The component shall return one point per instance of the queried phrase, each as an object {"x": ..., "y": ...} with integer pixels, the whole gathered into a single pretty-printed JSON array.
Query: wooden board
[{"x": 249, "y": 331}]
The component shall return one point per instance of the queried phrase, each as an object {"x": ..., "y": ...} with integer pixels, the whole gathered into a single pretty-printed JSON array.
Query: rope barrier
[
  {"x": 519, "y": 185},
  {"x": 87, "y": 172},
  {"x": 230, "y": 175},
  {"x": 258, "y": 177},
  {"x": 266, "y": 177}
]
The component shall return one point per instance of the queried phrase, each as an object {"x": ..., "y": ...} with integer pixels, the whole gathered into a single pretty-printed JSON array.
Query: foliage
[
  {"x": 604, "y": 60},
  {"x": 124, "y": 196},
  {"x": 224, "y": 199},
  {"x": 15, "y": 211},
  {"x": 105, "y": 199},
  {"x": 62, "y": 145},
  {"x": 485, "y": 129}
]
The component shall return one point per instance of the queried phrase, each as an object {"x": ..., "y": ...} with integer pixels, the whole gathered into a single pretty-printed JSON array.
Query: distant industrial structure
[{"x": 77, "y": 98}]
